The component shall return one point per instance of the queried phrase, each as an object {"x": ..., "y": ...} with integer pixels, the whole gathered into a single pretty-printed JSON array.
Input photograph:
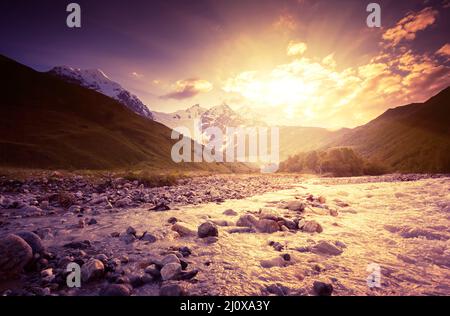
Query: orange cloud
[
  {"x": 188, "y": 88},
  {"x": 296, "y": 48},
  {"x": 444, "y": 50},
  {"x": 406, "y": 28}
]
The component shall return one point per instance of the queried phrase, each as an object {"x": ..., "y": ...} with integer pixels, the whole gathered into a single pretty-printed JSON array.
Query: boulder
[
  {"x": 296, "y": 206},
  {"x": 247, "y": 220},
  {"x": 16, "y": 253},
  {"x": 267, "y": 226},
  {"x": 170, "y": 271},
  {"x": 183, "y": 230},
  {"x": 33, "y": 240},
  {"x": 91, "y": 270},
  {"x": 207, "y": 229},
  {"x": 326, "y": 248},
  {"x": 311, "y": 227}
]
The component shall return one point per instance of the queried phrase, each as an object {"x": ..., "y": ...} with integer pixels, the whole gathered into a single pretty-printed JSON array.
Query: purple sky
[{"x": 174, "y": 54}]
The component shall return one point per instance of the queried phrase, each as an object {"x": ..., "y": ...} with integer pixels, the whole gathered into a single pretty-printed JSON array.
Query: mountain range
[
  {"x": 72, "y": 118},
  {"x": 49, "y": 123}
]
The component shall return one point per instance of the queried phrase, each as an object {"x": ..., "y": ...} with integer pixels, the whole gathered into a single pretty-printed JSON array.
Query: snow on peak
[{"x": 96, "y": 79}]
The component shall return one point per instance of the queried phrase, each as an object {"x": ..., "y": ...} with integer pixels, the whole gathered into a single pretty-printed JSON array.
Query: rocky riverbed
[{"x": 227, "y": 235}]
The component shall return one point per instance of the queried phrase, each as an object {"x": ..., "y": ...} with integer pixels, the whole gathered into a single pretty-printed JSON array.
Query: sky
[{"x": 291, "y": 62}]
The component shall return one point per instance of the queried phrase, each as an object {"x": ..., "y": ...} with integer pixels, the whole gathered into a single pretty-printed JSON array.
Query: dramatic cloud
[
  {"x": 444, "y": 50},
  {"x": 296, "y": 48},
  {"x": 407, "y": 27},
  {"x": 308, "y": 92},
  {"x": 188, "y": 88}
]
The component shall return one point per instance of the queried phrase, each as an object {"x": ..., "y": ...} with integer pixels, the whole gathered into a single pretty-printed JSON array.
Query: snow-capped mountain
[
  {"x": 220, "y": 116},
  {"x": 96, "y": 79}
]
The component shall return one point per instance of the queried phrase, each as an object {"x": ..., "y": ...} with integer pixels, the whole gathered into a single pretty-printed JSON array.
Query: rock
[
  {"x": 334, "y": 212},
  {"x": 326, "y": 248},
  {"x": 276, "y": 245},
  {"x": 296, "y": 206},
  {"x": 92, "y": 221},
  {"x": 148, "y": 237},
  {"x": 171, "y": 290},
  {"x": 185, "y": 251},
  {"x": 136, "y": 281},
  {"x": 289, "y": 224},
  {"x": 223, "y": 223},
  {"x": 312, "y": 227},
  {"x": 186, "y": 275},
  {"x": 183, "y": 230},
  {"x": 131, "y": 231},
  {"x": 170, "y": 259},
  {"x": 122, "y": 203},
  {"x": 322, "y": 289},
  {"x": 322, "y": 199},
  {"x": 230, "y": 212},
  {"x": 267, "y": 226},
  {"x": 172, "y": 220},
  {"x": 115, "y": 234},
  {"x": 81, "y": 223},
  {"x": 155, "y": 273},
  {"x": 211, "y": 239},
  {"x": 115, "y": 290},
  {"x": 207, "y": 229},
  {"x": 242, "y": 230},
  {"x": 170, "y": 271},
  {"x": 340, "y": 244},
  {"x": 47, "y": 273},
  {"x": 66, "y": 199},
  {"x": 102, "y": 257},
  {"x": 128, "y": 239},
  {"x": 278, "y": 289},
  {"x": 247, "y": 220},
  {"x": 33, "y": 240},
  {"x": 16, "y": 253},
  {"x": 91, "y": 270},
  {"x": 161, "y": 206},
  {"x": 275, "y": 262}
]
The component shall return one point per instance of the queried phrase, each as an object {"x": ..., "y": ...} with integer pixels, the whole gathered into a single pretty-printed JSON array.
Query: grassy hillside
[
  {"x": 51, "y": 124},
  {"x": 411, "y": 138},
  {"x": 296, "y": 139}
]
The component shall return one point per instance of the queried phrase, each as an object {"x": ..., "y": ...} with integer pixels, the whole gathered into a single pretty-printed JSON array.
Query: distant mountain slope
[
  {"x": 412, "y": 138},
  {"x": 46, "y": 122},
  {"x": 297, "y": 139},
  {"x": 95, "y": 79}
]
